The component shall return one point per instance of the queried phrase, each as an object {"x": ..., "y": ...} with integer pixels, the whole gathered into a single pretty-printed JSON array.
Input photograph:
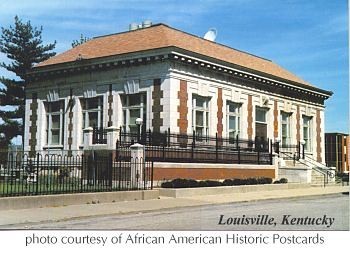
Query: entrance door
[
  {"x": 261, "y": 128},
  {"x": 261, "y": 131}
]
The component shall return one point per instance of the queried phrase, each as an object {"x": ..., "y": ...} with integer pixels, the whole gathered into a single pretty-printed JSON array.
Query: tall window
[
  {"x": 261, "y": 123},
  {"x": 134, "y": 106},
  {"x": 285, "y": 128},
  {"x": 92, "y": 112},
  {"x": 55, "y": 122},
  {"x": 233, "y": 122},
  {"x": 307, "y": 132},
  {"x": 200, "y": 115}
]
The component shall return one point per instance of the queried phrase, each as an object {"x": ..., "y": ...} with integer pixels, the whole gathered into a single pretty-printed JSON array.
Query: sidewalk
[{"x": 51, "y": 214}]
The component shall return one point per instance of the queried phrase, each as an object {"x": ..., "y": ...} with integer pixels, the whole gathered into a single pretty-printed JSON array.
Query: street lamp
[{"x": 138, "y": 122}]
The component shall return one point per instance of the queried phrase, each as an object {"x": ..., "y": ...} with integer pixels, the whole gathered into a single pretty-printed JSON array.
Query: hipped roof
[{"x": 161, "y": 36}]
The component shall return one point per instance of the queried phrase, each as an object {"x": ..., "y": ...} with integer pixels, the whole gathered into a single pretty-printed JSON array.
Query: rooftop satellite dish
[{"x": 211, "y": 34}]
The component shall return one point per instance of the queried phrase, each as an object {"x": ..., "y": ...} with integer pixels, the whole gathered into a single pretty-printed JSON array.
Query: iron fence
[
  {"x": 195, "y": 140},
  {"x": 172, "y": 147},
  {"x": 22, "y": 174},
  {"x": 99, "y": 136},
  {"x": 194, "y": 155}
]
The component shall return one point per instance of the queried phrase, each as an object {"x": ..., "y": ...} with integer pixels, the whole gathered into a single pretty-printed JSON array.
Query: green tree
[
  {"x": 82, "y": 40},
  {"x": 23, "y": 46}
]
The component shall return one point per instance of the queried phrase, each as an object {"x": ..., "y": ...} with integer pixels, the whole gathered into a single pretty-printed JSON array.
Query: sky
[{"x": 308, "y": 38}]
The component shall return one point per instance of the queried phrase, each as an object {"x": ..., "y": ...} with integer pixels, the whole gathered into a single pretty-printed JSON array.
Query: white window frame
[
  {"x": 236, "y": 114},
  {"x": 126, "y": 109},
  {"x": 287, "y": 124},
  {"x": 86, "y": 110},
  {"x": 307, "y": 123},
  {"x": 49, "y": 129},
  {"x": 206, "y": 114},
  {"x": 266, "y": 110}
]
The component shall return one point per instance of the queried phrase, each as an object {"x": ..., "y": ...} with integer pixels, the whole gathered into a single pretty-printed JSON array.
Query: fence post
[
  {"x": 137, "y": 165},
  {"x": 82, "y": 172},
  {"x": 277, "y": 147},
  {"x": 112, "y": 136},
  {"x": 271, "y": 158},
  {"x": 88, "y": 132},
  {"x": 258, "y": 156},
  {"x": 152, "y": 176},
  {"x": 216, "y": 147},
  {"x": 165, "y": 141},
  {"x": 239, "y": 154},
  {"x": 149, "y": 137},
  {"x": 110, "y": 170},
  {"x": 169, "y": 137},
  {"x": 299, "y": 144},
  {"x": 37, "y": 173},
  {"x": 193, "y": 145},
  {"x": 237, "y": 141}
]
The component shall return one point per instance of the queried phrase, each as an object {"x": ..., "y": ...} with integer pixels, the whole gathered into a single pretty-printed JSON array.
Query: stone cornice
[{"x": 250, "y": 78}]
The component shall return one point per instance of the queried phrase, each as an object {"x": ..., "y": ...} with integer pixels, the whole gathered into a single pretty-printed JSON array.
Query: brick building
[
  {"x": 172, "y": 80},
  {"x": 337, "y": 147}
]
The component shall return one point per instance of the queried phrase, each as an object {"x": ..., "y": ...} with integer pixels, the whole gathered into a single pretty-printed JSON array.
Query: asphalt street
[{"x": 309, "y": 213}]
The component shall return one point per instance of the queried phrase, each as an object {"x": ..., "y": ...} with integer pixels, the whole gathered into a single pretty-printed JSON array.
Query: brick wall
[
  {"x": 318, "y": 137},
  {"x": 220, "y": 113},
  {"x": 161, "y": 173},
  {"x": 182, "y": 122},
  {"x": 275, "y": 119},
  {"x": 110, "y": 107},
  {"x": 157, "y": 107},
  {"x": 298, "y": 123},
  {"x": 250, "y": 117}
]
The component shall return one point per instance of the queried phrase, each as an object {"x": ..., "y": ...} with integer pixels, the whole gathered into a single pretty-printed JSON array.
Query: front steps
[{"x": 314, "y": 177}]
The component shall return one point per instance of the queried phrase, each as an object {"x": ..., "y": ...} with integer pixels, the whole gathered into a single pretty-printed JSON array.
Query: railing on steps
[
  {"x": 320, "y": 168},
  {"x": 309, "y": 162}
]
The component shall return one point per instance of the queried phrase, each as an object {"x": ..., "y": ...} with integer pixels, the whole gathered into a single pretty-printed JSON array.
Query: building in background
[{"x": 337, "y": 147}]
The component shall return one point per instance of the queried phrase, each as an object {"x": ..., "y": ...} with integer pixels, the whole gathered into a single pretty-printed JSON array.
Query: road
[{"x": 323, "y": 208}]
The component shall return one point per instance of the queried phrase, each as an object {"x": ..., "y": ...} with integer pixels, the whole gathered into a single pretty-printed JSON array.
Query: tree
[
  {"x": 82, "y": 40},
  {"x": 23, "y": 46}
]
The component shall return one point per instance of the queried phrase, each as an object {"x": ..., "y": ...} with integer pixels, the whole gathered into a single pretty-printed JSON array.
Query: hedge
[{"x": 189, "y": 183}]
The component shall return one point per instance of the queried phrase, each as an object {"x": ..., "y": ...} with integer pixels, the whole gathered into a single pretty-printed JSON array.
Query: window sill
[{"x": 53, "y": 147}]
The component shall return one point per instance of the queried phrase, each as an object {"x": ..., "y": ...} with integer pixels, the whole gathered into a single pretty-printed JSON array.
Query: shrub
[
  {"x": 213, "y": 183},
  {"x": 192, "y": 183},
  {"x": 167, "y": 184},
  {"x": 227, "y": 182},
  {"x": 284, "y": 180},
  {"x": 264, "y": 180},
  {"x": 189, "y": 183},
  {"x": 238, "y": 182},
  {"x": 184, "y": 183},
  {"x": 209, "y": 183},
  {"x": 252, "y": 181}
]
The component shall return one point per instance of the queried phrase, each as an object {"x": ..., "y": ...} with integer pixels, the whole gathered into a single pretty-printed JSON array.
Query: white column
[
  {"x": 112, "y": 136},
  {"x": 87, "y": 137},
  {"x": 137, "y": 166}
]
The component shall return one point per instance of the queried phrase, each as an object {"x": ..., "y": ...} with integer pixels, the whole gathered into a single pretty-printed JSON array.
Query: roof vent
[
  {"x": 133, "y": 26},
  {"x": 146, "y": 23}
]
